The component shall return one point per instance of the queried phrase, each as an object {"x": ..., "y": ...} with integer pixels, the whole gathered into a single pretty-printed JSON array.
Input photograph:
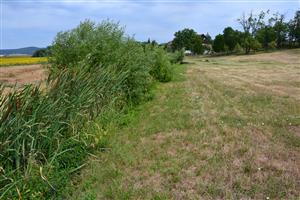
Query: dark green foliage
[
  {"x": 42, "y": 52},
  {"x": 294, "y": 30},
  {"x": 188, "y": 39},
  {"x": 230, "y": 38},
  {"x": 265, "y": 36},
  {"x": 197, "y": 47},
  {"x": 280, "y": 29},
  {"x": 44, "y": 134},
  {"x": 219, "y": 43}
]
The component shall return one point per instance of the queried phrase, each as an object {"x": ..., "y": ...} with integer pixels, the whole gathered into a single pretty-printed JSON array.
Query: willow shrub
[
  {"x": 160, "y": 63},
  {"x": 177, "y": 56},
  {"x": 44, "y": 134}
]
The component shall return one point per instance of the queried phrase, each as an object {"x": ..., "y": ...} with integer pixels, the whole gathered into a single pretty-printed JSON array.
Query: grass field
[
  {"x": 226, "y": 128},
  {"x": 5, "y": 61}
]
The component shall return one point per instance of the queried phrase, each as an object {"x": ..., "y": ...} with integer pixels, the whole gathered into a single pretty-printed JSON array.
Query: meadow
[
  {"x": 226, "y": 127},
  {"x": 7, "y": 61},
  {"x": 119, "y": 119}
]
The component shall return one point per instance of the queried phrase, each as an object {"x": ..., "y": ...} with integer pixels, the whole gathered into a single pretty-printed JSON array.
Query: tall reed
[{"x": 93, "y": 68}]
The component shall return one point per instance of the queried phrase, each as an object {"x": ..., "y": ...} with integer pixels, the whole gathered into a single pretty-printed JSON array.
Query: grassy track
[{"x": 227, "y": 127}]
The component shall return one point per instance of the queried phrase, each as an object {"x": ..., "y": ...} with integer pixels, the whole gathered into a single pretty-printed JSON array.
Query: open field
[
  {"x": 23, "y": 74},
  {"x": 12, "y": 76},
  {"x": 226, "y": 128},
  {"x": 6, "y": 61}
]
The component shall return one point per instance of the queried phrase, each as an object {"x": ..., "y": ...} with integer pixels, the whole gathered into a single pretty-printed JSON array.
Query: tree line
[{"x": 264, "y": 31}]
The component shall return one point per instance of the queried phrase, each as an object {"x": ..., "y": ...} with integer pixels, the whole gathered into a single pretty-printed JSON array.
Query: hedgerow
[{"x": 44, "y": 133}]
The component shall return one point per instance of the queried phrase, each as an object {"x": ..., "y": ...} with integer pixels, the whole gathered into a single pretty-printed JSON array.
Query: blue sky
[{"x": 36, "y": 22}]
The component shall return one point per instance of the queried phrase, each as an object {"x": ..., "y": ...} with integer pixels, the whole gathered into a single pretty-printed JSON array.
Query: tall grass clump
[
  {"x": 160, "y": 63},
  {"x": 44, "y": 134},
  {"x": 177, "y": 56}
]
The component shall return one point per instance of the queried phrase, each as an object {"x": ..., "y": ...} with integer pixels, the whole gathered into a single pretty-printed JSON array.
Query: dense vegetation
[
  {"x": 188, "y": 39},
  {"x": 45, "y": 52},
  {"x": 259, "y": 32},
  {"x": 95, "y": 70}
]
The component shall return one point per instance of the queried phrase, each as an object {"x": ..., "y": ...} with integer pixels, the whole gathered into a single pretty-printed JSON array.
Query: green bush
[
  {"x": 238, "y": 48},
  {"x": 94, "y": 69},
  {"x": 177, "y": 57},
  {"x": 104, "y": 46},
  {"x": 272, "y": 45},
  {"x": 161, "y": 67}
]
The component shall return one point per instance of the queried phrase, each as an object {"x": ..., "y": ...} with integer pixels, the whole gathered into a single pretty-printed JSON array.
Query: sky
[{"x": 36, "y": 22}]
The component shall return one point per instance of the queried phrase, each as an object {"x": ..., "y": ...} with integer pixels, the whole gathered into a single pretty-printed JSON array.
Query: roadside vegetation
[{"x": 95, "y": 71}]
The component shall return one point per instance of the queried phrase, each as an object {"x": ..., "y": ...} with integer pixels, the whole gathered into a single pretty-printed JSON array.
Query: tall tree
[
  {"x": 188, "y": 39},
  {"x": 251, "y": 24},
  {"x": 294, "y": 29},
  {"x": 230, "y": 38},
  {"x": 265, "y": 36},
  {"x": 197, "y": 46},
  {"x": 280, "y": 28},
  {"x": 219, "y": 43}
]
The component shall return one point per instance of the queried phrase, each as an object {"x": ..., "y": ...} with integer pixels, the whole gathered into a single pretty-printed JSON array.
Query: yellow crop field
[{"x": 4, "y": 61}]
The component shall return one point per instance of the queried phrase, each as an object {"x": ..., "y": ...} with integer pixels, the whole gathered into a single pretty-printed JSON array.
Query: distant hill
[{"x": 25, "y": 50}]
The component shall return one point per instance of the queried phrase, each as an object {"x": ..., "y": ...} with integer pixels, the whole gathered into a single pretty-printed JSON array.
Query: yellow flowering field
[{"x": 4, "y": 61}]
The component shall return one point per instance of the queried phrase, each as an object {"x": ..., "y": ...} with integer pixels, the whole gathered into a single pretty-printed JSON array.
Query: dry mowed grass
[
  {"x": 226, "y": 128},
  {"x": 11, "y": 76}
]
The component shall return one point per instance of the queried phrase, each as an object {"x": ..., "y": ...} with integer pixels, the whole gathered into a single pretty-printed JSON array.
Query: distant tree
[
  {"x": 297, "y": 26},
  {"x": 219, "y": 43},
  {"x": 272, "y": 45},
  {"x": 238, "y": 48},
  {"x": 230, "y": 38},
  {"x": 265, "y": 36},
  {"x": 154, "y": 43},
  {"x": 239, "y": 36},
  {"x": 255, "y": 45},
  {"x": 39, "y": 53},
  {"x": 294, "y": 29},
  {"x": 187, "y": 39},
  {"x": 247, "y": 42},
  {"x": 280, "y": 28},
  {"x": 42, "y": 52},
  {"x": 251, "y": 24},
  {"x": 183, "y": 39},
  {"x": 197, "y": 46}
]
